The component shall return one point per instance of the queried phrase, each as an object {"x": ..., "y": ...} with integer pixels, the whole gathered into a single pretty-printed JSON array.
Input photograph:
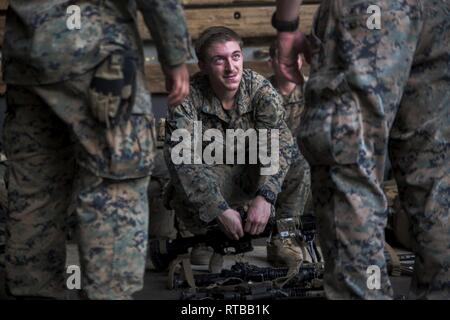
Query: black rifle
[
  {"x": 255, "y": 291},
  {"x": 267, "y": 294},
  {"x": 406, "y": 260},
  {"x": 162, "y": 252},
  {"x": 244, "y": 272}
]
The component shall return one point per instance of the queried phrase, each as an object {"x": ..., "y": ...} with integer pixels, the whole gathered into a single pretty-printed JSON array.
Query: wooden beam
[
  {"x": 4, "y": 4},
  {"x": 188, "y": 3},
  {"x": 223, "y": 2},
  {"x": 2, "y": 29},
  {"x": 248, "y": 22}
]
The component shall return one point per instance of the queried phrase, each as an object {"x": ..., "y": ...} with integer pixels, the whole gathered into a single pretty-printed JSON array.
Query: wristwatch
[
  {"x": 270, "y": 196},
  {"x": 285, "y": 26}
]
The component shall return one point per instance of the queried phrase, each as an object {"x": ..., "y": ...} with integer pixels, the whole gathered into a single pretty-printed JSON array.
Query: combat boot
[{"x": 283, "y": 252}]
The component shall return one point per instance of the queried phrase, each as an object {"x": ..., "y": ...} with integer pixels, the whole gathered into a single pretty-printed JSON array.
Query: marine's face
[{"x": 224, "y": 64}]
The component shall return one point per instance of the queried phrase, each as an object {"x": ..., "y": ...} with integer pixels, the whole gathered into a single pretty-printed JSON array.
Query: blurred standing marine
[
  {"x": 370, "y": 91},
  {"x": 79, "y": 135},
  {"x": 3, "y": 206},
  {"x": 292, "y": 191}
]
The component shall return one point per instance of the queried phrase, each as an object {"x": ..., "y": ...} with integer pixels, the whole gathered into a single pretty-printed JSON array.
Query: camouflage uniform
[
  {"x": 79, "y": 136},
  {"x": 201, "y": 192},
  {"x": 369, "y": 90},
  {"x": 292, "y": 190},
  {"x": 3, "y": 204},
  {"x": 294, "y": 104},
  {"x": 3, "y": 207},
  {"x": 162, "y": 220}
]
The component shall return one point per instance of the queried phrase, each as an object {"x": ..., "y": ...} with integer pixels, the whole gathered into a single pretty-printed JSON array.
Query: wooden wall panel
[
  {"x": 248, "y": 22},
  {"x": 2, "y": 29},
  {"x": 188, "y": 3},
  {"x": 3, "y": 4},
  {"x": 3, "y": 7}
]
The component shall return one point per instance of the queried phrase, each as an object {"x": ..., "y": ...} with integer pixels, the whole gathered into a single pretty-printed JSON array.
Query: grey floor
[{"x": 155, "y": 287}]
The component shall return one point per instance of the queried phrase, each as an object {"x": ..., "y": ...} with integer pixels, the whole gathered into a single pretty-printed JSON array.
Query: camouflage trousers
[
  {"x": 61, "y": 161},
  {"x": 370, "y": 92},
  {"x": 3, "y": 206},
  {"x": 238, "y": 185},
  {"x": 295, "y": 194},
  {"x": 162, "y": 220}
]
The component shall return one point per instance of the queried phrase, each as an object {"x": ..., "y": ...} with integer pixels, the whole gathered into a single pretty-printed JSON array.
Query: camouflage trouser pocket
[
  {"x": 131, "y": 146},
  {"x": 112, "y": 90},
  {"x": 331, "y": 125},
  {"x": 119, "y": 101}
]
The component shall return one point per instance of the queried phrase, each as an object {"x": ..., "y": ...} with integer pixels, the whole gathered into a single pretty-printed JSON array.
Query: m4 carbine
[
  {"x": 162, "y": 252},
  {"x": 255, "y": 291},
  {"x": 244, "y": 272}
]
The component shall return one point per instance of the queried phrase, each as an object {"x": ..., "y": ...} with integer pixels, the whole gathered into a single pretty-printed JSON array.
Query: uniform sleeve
[
  {"x": 167, "y": 25},
  {"x": 197, "y": 180},
  {"x": 270, "y": 115}
]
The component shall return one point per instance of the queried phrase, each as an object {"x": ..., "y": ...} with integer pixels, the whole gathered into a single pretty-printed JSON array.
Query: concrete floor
[
  {"x": 155, "y": 286},
  {"x": 155, "y": 283}
]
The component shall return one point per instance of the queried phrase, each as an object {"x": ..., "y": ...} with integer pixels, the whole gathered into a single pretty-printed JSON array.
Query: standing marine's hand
[
  {"x": 290, "y": 45},
  {"x": 257, "y": 216},
  {"x": 177, "y": 83}
]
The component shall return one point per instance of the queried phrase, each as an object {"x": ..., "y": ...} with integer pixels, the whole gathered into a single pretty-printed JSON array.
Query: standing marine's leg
[
  {"x": 295, "y": 191},
  {"x": 3, "y": 211},
  {"x": 113, "y": 222},
  {"x": 40, "y": 172},
  {"x": 111, "y": 202},
  {"x": 420, "y": 153},
  {"x": 356, "y": 83},
  {"x": 162, "y": 220}
]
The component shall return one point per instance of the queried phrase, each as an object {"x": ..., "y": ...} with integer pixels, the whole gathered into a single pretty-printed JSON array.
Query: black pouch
[{"x": 112, "y": 90}]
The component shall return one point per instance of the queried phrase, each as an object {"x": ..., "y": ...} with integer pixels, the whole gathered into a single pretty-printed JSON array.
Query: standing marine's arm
[
  {"x": 287, "y": 10},
  {"x": 290, "y": 40},
  {"x": 167, "y": 24}
]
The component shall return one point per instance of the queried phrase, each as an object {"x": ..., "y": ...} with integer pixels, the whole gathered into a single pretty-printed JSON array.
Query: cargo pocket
[
  {"x": 331, "y": 127},
  {"x": 131, "y": 143},
  {"x": 112, "y": 89}
]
